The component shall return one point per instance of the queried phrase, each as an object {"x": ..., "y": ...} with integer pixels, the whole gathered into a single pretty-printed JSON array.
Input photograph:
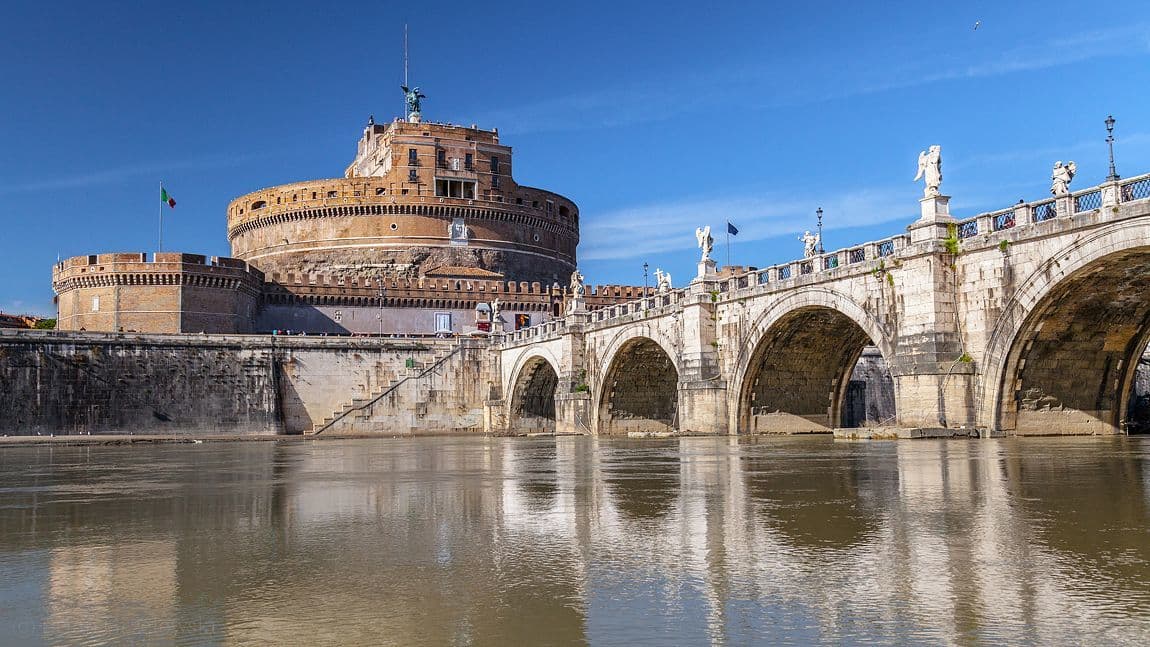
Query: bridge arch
[
  {"x": 638, "y": 389},
  {"x": 534, "y": 382},
  {"x": 793, "y": 368},
  {"x": 1062, "y": 356}
]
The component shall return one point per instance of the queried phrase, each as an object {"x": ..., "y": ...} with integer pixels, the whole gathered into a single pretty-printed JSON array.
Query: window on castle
[
  {"x": 412, "y": 156},
  {"x": 338, "y": 316},
  {"x": 441, "y": 157},
  {"x": 495, "y": 181},
  {"x": 455, "y": 189},
  {"x": 469, "y": 161},
  {"x": 412, "y": 175},
  {"x": 442, "y": 322},
  {"x": 332, "y": 194},
  {"x": 494, "y": 164},
  {"x": 95, "y": 304}
]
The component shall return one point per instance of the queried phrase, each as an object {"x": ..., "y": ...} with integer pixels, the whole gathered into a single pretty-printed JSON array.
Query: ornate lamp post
[
  {"x": 819, "y": 212},
  {"x": 1110, "y": 142},
  {"x": 645, "y": 279}
]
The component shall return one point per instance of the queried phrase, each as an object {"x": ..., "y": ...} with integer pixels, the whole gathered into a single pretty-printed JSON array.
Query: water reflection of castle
[{"x": 712, "y": 539}]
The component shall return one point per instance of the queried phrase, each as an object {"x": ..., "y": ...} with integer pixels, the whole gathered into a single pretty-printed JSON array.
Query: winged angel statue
[
  {"x": 930, "y": 167},
  {"x": 703, "y": 236},
  {"x": 413, "y": 95}
]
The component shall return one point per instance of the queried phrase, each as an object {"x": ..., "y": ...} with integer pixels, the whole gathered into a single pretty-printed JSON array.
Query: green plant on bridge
[
  {"x": 582, "y": 387},
  {"x": 951, "y": 240},
  {"x": 1003, "y": 245}
]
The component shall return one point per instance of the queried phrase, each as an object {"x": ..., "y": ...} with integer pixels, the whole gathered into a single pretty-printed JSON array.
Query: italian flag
[{"x": 164, "y": 197}]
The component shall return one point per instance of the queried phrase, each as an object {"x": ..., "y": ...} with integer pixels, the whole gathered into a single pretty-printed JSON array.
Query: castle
[{"x": 427, "y": 233}]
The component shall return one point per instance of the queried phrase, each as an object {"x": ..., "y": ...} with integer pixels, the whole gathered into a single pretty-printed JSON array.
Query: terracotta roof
[{"x": 455, "y": 271}]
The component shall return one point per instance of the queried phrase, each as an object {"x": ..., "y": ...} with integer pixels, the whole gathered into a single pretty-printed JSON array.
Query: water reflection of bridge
[{"x": 693, "y": 540}]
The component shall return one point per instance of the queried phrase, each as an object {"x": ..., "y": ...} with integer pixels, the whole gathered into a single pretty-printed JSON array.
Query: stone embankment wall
[{"x": 78, "y": 383}]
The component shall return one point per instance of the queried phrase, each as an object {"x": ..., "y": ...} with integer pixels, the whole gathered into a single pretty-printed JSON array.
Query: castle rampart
[{"x": 164, "y": 292}]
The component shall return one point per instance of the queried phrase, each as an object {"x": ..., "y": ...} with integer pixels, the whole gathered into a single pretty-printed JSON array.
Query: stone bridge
[{"x": 1027, "y": 320}]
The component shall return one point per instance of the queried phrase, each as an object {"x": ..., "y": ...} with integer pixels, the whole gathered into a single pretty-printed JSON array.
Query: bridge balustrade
[
  {"x": 967, "y": 228},
  {"x": 1088, "y": 201},
  {"x": 1003, "y": 219},
  {"x": 1135, "y": 189},
  {"x": 1043, "y": 211}
]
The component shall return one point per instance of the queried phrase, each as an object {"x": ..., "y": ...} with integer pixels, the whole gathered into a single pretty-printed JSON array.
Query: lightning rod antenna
[{"x": 405, "y": 53}]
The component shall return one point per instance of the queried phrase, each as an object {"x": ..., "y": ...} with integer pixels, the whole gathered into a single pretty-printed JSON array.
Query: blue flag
[{"x": 731, "y": 229}]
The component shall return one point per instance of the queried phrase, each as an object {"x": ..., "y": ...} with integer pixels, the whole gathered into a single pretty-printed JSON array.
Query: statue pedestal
[
  {"x": 935, "y": 218},
  {"x": 706, "y": 270},
  {"x": 576, "y": 304}
]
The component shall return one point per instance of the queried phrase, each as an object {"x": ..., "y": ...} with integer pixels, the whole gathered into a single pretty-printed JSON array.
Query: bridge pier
[{"x": 703, "y": 407}]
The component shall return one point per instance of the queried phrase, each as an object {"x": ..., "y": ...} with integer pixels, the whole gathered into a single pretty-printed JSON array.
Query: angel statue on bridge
[
  {"x": 930, "y": 168},
  {"x": 662, "y": 280},
  {"x": 706, "y": 243},
  {"x": 577, "y": 287},
  {"x": 1061, "y": 177}
]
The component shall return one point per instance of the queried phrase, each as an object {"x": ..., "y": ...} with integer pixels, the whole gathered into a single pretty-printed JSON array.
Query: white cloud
[{"x": 648, "y": 229}]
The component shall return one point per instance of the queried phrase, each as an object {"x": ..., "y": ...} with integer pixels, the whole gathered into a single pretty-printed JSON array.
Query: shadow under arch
[
  {"x": 793, "y": 373},
  {"x": 640, "y": 389},
  {"x": 1068, "y": 365},
  {"x": 532, "y": 406}
]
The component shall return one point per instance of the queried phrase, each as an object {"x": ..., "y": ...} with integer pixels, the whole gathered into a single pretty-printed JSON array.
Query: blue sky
[{"x": 653, "y": 117}]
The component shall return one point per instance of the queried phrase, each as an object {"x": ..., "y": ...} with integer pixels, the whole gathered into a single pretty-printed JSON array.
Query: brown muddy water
[{"x": 473, "y": 541}]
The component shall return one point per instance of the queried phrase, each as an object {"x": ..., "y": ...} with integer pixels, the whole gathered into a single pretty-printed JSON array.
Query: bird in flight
[{"x": 976, "y": 24}]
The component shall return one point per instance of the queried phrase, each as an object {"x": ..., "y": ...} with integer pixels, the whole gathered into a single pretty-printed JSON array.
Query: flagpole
[
  {"x": 728, "y": 243},
  {"x": 160, "y": 247}
]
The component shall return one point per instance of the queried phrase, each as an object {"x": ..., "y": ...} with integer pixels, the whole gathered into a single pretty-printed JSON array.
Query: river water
[{"x": 693, "y": 541}]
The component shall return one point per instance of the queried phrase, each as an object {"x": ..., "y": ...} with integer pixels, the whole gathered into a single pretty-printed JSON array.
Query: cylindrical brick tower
[{"x": 420, "y": 199}]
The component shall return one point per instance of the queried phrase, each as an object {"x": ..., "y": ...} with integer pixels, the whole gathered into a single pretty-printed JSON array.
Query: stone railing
[
  {"x": 1028, "y": 213},
  {"x": 539, "y": 332},
  {"x": 651, "y": 306}
]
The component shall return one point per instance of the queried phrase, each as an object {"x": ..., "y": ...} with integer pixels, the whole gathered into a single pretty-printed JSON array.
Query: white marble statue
[
  {"x": 662, "y": 280},
  {"x": 930, "y": 168},
  {"x": 810, "y": 244},
  {"x": 1061, "y": 177},
  {"x": 577, "y": 287},
  {"x": 495, "y": 310},
  {"x": 706, "y": 243}
]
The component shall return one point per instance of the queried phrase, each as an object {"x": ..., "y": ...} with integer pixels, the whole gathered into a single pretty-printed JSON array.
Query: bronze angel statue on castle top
[{"x": 413, "y": 95}]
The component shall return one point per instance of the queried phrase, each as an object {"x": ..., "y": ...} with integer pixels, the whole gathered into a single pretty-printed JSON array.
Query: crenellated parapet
[{"x": 429, "y": 292}]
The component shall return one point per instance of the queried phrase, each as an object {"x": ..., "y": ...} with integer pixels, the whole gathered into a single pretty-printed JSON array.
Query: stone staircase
[{"x": 359, "y": 408}]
